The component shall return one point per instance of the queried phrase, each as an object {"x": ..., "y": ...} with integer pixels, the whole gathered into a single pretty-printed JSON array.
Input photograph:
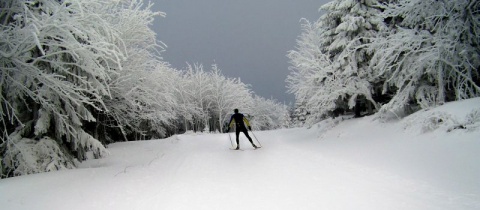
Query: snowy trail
[{"x": 200, "y": 172}]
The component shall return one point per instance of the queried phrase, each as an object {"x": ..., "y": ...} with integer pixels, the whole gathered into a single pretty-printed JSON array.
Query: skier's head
[{"x": 235, "y": 110}]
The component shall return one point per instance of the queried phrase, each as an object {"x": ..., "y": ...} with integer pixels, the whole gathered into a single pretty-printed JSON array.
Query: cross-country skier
[{"x": 238, "y": 119}]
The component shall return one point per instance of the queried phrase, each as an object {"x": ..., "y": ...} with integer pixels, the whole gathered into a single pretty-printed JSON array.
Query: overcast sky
[{"x": 248, "y": 39}]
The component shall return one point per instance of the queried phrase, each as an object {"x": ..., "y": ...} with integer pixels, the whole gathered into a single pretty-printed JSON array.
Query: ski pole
[{"x": 256, "y": 138}]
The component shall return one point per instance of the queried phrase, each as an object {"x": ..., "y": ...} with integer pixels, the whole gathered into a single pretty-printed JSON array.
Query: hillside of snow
[{"x": 429, "y": 160}]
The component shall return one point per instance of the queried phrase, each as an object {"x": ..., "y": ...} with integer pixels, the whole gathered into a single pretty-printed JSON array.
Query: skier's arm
[
  {"x": 247, "y": 123},
  {"x": 232, "y": 122}
]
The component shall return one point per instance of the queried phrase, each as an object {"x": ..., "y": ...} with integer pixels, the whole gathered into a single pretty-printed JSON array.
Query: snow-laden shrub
[
  {"x": 395, "y": 113},
  {"x": 329, "y": 123},
  {"x": 431, "y": 120},
  {"x": 86, "y": 142},
  {"x": 473, "y": 120},
  {"x": 28, "y": 156}
]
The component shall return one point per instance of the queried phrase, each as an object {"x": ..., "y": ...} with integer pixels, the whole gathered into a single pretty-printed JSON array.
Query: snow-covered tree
[
  {"x": 269, "y": 114},
  {"x": 185, "y": 107},
  {"x": 431, "y": 54},
  {"x": 60, "y": 62},
  {"x": 55, "y": 70},
  {"x": 79, "y": 74},
  {"x": 141, "y": 104},
  {"x": 228, "y": 94},
  {"x": 201, "y": 92},
  {"x": 299, "y": 114},
  {"x": 330, "y": 70},
  {"x": 308, "y": 61},
  {"x": 403, "y": 54},
  {"x": 209, "y": 98}
]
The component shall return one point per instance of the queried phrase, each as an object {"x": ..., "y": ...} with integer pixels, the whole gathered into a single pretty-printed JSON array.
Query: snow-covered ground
[{"x": 420, "y": 162}]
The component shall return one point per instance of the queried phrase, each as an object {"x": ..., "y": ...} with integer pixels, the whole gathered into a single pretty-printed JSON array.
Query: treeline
[
  {"x": 77, "y": 75},
  {"x": 388, "y": 56}
]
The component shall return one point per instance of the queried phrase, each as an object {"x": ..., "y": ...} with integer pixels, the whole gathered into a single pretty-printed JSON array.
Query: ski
[{"x": 244, "y": 150}]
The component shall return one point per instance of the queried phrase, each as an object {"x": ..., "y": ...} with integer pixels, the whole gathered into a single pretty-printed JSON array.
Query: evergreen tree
[{"x": 330, "y": 68}]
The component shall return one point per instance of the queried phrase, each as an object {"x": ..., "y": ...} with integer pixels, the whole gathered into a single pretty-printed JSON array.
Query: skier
[{"x": 238, "y": 119}]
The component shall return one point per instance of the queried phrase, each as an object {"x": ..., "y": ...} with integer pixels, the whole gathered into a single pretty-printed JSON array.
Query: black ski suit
[{"x": 239, "y": 120}]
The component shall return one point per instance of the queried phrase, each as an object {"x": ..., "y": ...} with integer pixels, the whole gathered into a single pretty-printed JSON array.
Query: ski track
[{"x": 201, "y": 172}]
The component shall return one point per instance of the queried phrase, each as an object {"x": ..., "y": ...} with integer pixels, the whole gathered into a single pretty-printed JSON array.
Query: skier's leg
[
  {"x": 237, "y": 134},
  {"x": 248, "y": 136}
]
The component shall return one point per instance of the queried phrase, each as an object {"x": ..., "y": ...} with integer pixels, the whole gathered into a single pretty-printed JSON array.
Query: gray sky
[{"x": 246, "y": 38}]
